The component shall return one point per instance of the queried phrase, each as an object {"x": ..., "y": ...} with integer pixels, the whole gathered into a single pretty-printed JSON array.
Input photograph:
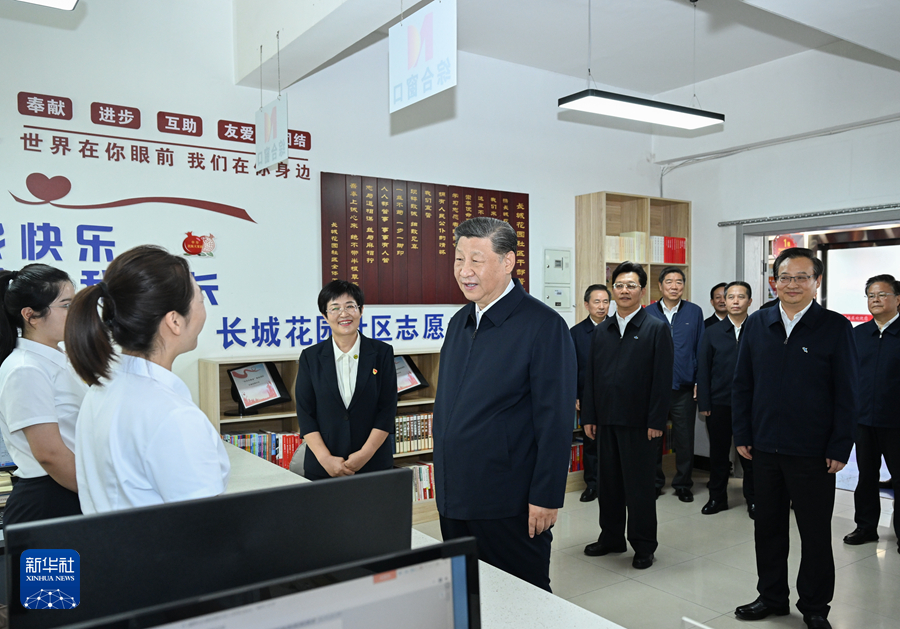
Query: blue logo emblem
[{"x": 50, "y": 579}]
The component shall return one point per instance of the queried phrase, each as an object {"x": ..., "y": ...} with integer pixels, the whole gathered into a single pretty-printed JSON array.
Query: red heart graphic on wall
[{"x": 47, "y": 189}]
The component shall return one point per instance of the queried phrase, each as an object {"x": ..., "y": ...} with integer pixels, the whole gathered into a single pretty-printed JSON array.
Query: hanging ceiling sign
[
  {"x": 272, "y": 133},
  {"x": 422, "y": 50}
]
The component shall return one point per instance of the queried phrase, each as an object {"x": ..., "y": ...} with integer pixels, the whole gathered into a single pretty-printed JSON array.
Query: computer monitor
[
  {"x": 435, "y": 587},
  {"x": 138, "y": 558}
]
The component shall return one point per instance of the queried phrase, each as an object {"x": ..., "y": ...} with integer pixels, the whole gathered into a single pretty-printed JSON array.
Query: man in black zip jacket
[
  {"x": 878, "y": 342},
  {"x": 627, "y": 387},
  {"x": 715, "y": 375},
  {"x": 794, "y": 406}
]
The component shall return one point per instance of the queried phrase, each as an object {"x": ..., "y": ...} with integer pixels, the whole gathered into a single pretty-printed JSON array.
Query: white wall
[
  {"x": 498, "y": 129},
  {"x": 809, "y": 92}
]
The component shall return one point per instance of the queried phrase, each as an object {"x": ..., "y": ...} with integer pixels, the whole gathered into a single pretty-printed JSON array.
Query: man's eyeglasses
[
  {"x": 349, "y": 309},
  {"x": 629, "y": 286},
  {"x": 800, "y": 279},
  {"x": 881, "y": 296}
]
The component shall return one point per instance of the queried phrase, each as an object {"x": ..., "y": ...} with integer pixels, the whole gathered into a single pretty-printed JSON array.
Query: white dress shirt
[
  {"x": 140, "y": 440},
  {"x": 881, "y": 328},
  {"x": 737, "y": 328},
  {"x": 624, "y": 321},
  {"x": 347, "y": 366},
  {"x": 479, "y": 312},
  {"x": 788, "y": 323},
  {"x": 669, "y": 313},
  {"x": 37, "y": 386}
]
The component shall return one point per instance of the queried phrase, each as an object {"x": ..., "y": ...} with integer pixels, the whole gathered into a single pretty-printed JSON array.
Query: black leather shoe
[
  {"x": 684, "y": 495},
  {"x": 757, "y": 610},
  {"x": 886, "y": 484},
  {"x": 659, "y": 492},
  {"x": 860, "y": 536},
  {"x": 816, "y": 622},
  {"x": 642, "y": 561},
  {"x": 751, "y": 510},
  {"x": 598, "y": 550},
  {"x": 714, "y": 506},
  {"x": 588, "y": 494}
]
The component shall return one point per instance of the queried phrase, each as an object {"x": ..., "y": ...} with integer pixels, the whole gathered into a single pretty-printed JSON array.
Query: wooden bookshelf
[
  {"x": 602, "y": 214},
  {"x": 216, "y": 401}
]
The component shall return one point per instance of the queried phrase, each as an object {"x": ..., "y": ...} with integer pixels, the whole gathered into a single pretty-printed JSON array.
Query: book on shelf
[
  {"x": 576, "y": 460},
  {"x": 413, "y": 433},
  {"x": 423, "y": 480},
  {"x": 277, "y": 448},
  {"x": 636, "y": 245}
]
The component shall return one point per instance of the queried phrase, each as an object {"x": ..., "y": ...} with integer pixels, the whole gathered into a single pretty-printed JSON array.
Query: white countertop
[{"x": 505, "y": 600}]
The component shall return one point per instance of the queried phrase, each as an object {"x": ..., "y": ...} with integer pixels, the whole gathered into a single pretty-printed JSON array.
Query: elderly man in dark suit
[
  {"x": 878, "y": 432},
  {"x": 596, "y": 302},
  {"x": 627, "y": 387},
  {"x": 503, "y": 413},
  {"x": 794, "y": 407}
]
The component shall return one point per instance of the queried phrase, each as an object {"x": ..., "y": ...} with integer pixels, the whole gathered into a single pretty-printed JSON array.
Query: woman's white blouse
[
  {"x": 141, "y": 440},
  {"x": 37, "y": 386}
]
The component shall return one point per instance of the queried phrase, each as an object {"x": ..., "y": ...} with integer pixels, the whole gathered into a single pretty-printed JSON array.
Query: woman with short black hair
[
  {"x": 39, "y": 393},
  {"x": 346, "y": 392},
  {"x": 141, "y": 440}
]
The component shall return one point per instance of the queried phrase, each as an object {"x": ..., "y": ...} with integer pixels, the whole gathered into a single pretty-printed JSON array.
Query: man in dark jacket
[
  {"x": 503, "y": 411},
  {"x": 685, "y": 321},
  {"x": 715, "y": 376},
  {"x": 794, "y": 406},
  {"x": 717, "y": 301},
  {"x": 878, "y": 432},
  {"x": 627, "y": 386},
  {"x": 596, "y": 302}
]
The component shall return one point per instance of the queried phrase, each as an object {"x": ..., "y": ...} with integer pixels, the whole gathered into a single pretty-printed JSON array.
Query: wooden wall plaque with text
[{"x": 395, "y": 238}]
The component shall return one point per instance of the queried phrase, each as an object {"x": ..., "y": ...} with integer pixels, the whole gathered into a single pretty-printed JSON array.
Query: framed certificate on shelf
[
  {"x": 409, "y": 378},
  {"x": 257, "y": 386}
]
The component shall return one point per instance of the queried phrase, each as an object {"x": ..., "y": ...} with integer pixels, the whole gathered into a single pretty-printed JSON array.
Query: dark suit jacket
[
  {"x": 320, "y": 407},
  {"x": 796, "y": 395},
  {"x": 628, "y": 381},
  {"x": 503, "y": 412},
  {"x": 711, "y": 320},
  {"x": 715, "y": 365},
  {"x": 879, "y": 374},
  {"x": 687, "y": 331},
  {"x": 581, "y": 337}
]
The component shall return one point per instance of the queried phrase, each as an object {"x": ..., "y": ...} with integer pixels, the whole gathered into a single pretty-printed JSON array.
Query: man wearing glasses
[
  {"x": 878, "y": 342},
  {"x": 627, "y": 386},
  {"x": 794, "y": 407},
  {"x": 685, "y": 321}
]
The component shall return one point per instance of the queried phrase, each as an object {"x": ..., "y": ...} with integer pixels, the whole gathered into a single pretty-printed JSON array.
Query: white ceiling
[{"x": 642, "y": 46}]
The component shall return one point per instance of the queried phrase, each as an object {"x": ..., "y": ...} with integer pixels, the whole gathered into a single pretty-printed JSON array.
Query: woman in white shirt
[
  {"x": 39, "y": 393},
  {"x": 140, "y": 439}
]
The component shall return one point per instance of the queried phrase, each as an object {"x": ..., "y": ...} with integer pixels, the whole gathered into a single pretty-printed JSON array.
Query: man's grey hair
[{"x": 502, "y": 235}]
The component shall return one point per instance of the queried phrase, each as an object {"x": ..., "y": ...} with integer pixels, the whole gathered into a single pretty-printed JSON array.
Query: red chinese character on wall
[
  {"x": 45, "y": 106},
  {"x": 181, "y": 124},
  {"x": 116, "y": 115}
]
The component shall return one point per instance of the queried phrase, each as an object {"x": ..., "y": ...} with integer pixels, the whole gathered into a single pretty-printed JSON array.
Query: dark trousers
[
  {"x": 591, "y": 462},
  {"x": 718, "y": 426},
  {"x": 504, "y": 543},
  {"x": 871, "y": 444},
  {"x": 626, "y": 484},
  {"x": 39, "y": 498},
  {"x": 804, "y": 481},
  {"x": 683, "y": 415}
]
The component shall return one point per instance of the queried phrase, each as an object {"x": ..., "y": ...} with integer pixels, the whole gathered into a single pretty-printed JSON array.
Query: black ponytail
[
  {"x": 139, "y": 288},
  {"x": 36, "y": 286}
]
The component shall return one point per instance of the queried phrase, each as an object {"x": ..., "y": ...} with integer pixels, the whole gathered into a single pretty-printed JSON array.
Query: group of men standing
[{"x": 783, "y": 382}]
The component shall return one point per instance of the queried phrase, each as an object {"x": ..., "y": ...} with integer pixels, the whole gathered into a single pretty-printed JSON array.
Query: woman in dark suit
[{"x": 346, "y": 392}]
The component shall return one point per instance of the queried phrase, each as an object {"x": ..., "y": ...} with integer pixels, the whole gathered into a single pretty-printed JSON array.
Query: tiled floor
[{"x": 705, "y": 567}]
